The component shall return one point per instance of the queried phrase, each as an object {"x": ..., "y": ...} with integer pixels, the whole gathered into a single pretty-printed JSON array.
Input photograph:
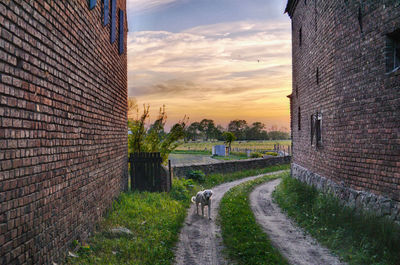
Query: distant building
[
  {"x": 63, "y": 124},
  {"x": 345, "y": 103}
]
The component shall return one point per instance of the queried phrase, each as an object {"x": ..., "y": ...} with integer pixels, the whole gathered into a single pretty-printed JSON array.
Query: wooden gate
[{"x": 145, "y": 171}]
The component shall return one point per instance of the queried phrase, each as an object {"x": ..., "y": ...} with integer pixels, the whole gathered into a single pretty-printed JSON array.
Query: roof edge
[{"x": 290, "y": 7}]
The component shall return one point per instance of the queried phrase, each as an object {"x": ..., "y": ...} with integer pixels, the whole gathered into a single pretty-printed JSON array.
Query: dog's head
[{"x": 207, "y": 194}]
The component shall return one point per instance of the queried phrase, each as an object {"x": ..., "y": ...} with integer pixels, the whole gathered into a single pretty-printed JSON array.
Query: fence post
[
  {"x": 170, "y": 174},
  {"x": 131, "y": 170}
]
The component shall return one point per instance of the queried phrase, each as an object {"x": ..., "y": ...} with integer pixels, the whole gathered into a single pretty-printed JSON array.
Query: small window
[
  {"x": 316, "y": 129},
  {"x": 393, "y": 51},
  {"x": 299, "y": 120}
]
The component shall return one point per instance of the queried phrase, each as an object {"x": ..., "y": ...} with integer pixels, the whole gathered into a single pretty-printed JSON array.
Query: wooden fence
[{"x": 147, "y": 173}]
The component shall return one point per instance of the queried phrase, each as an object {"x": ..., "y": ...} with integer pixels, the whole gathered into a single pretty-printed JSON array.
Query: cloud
[
  {"x": 239, "y": 67},
  {"x": 136, "y": 6}
]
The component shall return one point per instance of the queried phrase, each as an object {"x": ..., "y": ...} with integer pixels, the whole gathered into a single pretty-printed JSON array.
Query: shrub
[
  {"x": 182, "y": 189},
  {"x": 256, "y": 155},
  {"x": 196, "y": 175},
  {"x": 271, "y": 153}
]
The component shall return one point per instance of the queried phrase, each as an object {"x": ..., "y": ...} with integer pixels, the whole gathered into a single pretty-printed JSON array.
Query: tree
[
  {"x": 238, "y": 128},
  {"x": 208, "y": 128},
  {"x": 155, "y": 139},
  {"x": 257, "y": 132},
  {"x": 132, "y": 109},
  {"x": 192, "y": 132},
  {"x": 229, "y": 138},
  {"x": 219, "y": 130}
]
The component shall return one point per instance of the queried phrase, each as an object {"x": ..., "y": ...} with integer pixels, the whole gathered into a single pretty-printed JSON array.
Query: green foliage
[
  {"x": 155, "y": 220},
  {"x": 182, "y": 189},
  {"x": 244, "y": 239},
  {"x": 271, "y": 153},
  {"x": 154, "y": 139},
  {"x": 196, "y": 175},
  {"x": 278, "y": 135},
  {"x": 216, "y": 179},
  {"x": 256, "y": 155},
  {"x": 229, "y": 138},
  {"x": 357, "y": 237}
]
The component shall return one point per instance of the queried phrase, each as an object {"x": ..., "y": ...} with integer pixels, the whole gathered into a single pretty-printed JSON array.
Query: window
[
  {"x": 316, "y": 129},
  {"x": 393, "y": 51},
  {"x": 299, "y": 119}
]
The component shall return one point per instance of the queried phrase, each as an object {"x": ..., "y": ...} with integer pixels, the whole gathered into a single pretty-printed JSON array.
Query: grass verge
[
  {"x": 155, "y": 220},
  {"x": 245, "y": 241},
  {"x": 216, "y": 179},
  {"x": 191, "y": 152},
  {"x": 358, "y": 238}
]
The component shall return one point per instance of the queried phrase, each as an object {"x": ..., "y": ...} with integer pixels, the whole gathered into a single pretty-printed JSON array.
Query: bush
[
  {"x": 256, "y": 155},
  {"x": 271, "y": 153},
  {"x": 196, "y": 175},
  {"x": 182, "y": 189}
]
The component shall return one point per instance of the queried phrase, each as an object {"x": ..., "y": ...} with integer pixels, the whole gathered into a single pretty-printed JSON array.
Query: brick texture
[
  {"x": 63, "y": 134},
  {"x": 339, "y": 70}
]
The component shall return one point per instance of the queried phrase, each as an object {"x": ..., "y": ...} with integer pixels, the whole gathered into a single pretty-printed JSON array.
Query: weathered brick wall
[
  {"x": 343, "y": 46},
  {"x": 231, "y": 166},
  {"x": 63, "y": 136}
]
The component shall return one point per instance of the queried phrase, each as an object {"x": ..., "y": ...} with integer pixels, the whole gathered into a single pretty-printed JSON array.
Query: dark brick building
[
  {"x": 345, "y": 104},
  {"x": 63, "y": 134}
]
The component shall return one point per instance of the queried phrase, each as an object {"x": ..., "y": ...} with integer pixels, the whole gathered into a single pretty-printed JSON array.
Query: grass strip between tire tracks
[
  {"x": 155, "y": 220},
  {"x": 245, "y": 241}
]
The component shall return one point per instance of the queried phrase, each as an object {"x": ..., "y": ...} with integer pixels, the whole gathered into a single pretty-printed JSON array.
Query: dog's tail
[{"x": 193, "y": 199}]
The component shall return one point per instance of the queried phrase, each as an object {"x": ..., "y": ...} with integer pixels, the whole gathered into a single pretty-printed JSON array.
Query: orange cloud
[{"x": 223, "y": 72}]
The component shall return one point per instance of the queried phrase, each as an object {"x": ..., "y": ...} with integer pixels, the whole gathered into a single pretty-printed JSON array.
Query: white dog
[{"x": 204, "y": 198}]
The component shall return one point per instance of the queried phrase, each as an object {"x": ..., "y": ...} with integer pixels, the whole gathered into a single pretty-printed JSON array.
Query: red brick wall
[
  {"x": 359, "y": 101},
  {"x": 63, "y": 136}
]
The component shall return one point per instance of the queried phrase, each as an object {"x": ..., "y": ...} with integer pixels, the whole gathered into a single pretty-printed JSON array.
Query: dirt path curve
[
  {"x": 296, "y": 246},
  {"x": 200, "y": 241}
]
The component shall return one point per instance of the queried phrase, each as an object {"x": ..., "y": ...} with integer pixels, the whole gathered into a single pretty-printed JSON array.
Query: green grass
[
  {"x": 253, "y": 145},
  {"x": 155, "y": 220},
  {"x": 232, "y": 156},
  {"x": 358, "y": 238},
  {"x": 216, "y": 179},
  {"x": 245, "y": 241},
  {"x": 191, "y": 152}
]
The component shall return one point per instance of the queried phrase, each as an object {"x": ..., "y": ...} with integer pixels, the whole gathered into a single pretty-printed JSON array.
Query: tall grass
[
  {"x": 245, "y": 241},
  {"x": 359, "y": 238}
]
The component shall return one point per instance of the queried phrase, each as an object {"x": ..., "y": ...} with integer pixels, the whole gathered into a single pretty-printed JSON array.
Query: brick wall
[
  {"x": 63, "y": 136},
  {"x": 339, "y": 70}
]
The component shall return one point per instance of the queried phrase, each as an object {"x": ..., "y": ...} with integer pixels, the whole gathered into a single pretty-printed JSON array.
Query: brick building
[
  {"x": 63, "y": 134},
  {"x": 345, "y": 103}
]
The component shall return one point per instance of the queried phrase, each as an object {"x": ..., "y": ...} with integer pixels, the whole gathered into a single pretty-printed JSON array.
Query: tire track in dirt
[
  {"x": 200, "y": 239},
  {"x": 292, "y": 242}
]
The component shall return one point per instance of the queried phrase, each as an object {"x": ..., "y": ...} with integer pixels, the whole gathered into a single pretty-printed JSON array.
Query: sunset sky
[{"x": 216, "y": 59}]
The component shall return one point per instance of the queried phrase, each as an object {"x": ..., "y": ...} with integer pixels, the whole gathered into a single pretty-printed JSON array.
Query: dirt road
[
  {"x": 200, "y": 241},
  {"x": 296, "y": 246}
]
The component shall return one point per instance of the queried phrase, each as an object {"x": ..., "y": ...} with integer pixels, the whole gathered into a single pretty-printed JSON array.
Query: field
[{"x": 237, "y": 145}]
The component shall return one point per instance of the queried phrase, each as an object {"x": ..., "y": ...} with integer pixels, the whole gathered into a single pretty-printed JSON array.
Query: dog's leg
[
  {"x": 197, "y": 208},
  {"x": 202, "y": 209},
  {"x": 209, "y": 210}
]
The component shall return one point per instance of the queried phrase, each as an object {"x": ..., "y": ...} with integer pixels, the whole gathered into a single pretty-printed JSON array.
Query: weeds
[{"x": 359, "y": 238}]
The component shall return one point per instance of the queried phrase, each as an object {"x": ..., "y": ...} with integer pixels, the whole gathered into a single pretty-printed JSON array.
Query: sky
[{"x": 214, "y": 59}]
